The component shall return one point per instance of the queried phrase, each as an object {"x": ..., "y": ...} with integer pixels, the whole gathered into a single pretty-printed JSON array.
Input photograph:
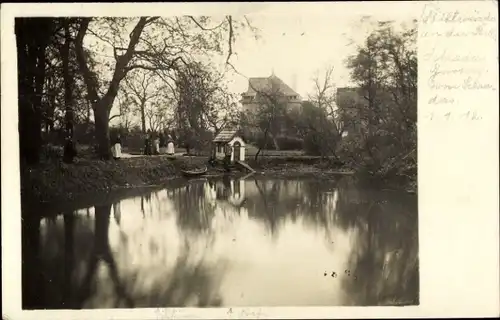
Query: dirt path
[{"x": 128, "y": 155}]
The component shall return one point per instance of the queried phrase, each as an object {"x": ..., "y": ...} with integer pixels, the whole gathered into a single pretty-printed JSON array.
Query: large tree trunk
[
  {"x": 143, "y": 116},
  {"x": 50, "y": 106},
  {"x": 32, "y": 36},
  {"x": 88, "y": 113},
  {"x": 68, "y": 96},
  {"x": 102, "y": 105},
  {"x": 25, "y": 84},
  {"x": 43, "y": 38},
  {"x": 101, "y": 116}
]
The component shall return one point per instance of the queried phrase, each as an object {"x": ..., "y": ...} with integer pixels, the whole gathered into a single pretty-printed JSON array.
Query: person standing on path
[
  {"x": 170, "y": 146},
  {"x": 157, "y": 145},
  {"x": 147, "y": 144},
  {"x": 116, "y": 150},
  {"x": 69, "y": 151}
]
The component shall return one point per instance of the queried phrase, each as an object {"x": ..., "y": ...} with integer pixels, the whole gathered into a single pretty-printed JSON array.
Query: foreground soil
[{"x": 57, "y": 182}]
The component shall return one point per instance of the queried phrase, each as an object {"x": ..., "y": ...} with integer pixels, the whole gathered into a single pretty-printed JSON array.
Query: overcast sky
[
  {"x": 300, "y": 40},
  {"x": 296, "y": 46}
]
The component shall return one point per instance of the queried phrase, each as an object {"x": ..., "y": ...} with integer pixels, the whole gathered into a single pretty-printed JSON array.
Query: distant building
[
  {"x": 347, "y": 97},
  {"x": 258, "y": 93},
  {"x": 258, "y": 87}
]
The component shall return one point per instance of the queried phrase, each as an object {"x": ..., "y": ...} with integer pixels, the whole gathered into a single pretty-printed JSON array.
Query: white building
[{"x": 231, "y": 138}]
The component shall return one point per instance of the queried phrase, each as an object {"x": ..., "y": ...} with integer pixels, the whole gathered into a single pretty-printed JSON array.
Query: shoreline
[{"x": 55, "y": 184}]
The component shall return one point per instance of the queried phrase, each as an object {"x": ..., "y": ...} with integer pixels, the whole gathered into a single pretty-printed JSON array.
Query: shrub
[
  {"x": 284, "y": 143},
  {"x": 320, "y": 144},
  {"x": 290, "y": 143},
  {"x": 312, "y": 145},
  {"x": 265, "y": 143}
]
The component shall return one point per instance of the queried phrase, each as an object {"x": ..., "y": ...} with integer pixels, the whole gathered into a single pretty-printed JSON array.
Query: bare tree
[
  {"x": 222, "y": 109},
  {"x": 146, "y": 48},
  {"x": 325, "y": 97},
  {"x": 125, "y": 104},
  {"x": 203, "y": 103},
  {"x": 68, "y": 91},
  {"x": 142, "y": 89},
  {"x": 102, "y": 104},
  {"x": 272, "y": 105},
  {"x": 327, "y": 130},
  {"x": 159, "y": 114},
  {"x": 385, "y": 69}
]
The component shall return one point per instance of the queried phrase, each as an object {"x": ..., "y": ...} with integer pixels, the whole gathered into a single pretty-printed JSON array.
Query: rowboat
[{"x": 194, "y": 173}]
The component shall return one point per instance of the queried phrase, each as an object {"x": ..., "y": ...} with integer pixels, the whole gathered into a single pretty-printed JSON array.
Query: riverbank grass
[{"x": 55, "y": 181}]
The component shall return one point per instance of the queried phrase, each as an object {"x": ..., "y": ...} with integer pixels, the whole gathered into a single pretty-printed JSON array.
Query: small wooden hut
[{"x": 231, "y": 138}]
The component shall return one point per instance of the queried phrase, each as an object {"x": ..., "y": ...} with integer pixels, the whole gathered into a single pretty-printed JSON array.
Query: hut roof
[{"x": 226, "y": 135}]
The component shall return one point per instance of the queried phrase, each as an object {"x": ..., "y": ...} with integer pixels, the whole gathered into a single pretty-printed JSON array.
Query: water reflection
[{"x": 230, "y": 242}]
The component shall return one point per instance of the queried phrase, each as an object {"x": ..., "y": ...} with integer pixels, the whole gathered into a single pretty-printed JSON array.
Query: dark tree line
[
  {"x": 51, "y": 95},
  {"x": 62, "y": 82},
  {"x": 33, "y": 37}
]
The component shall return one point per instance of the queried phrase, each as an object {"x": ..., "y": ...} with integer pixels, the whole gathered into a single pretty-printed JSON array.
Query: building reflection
[
  {"x": 227, "y": 190},
  {"x": 203, "y": 243}
]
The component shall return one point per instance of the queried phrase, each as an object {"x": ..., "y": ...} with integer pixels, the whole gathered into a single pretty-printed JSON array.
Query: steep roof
[
  {"x": 225, "y": 135},
  {"x": 268, "y": 83}
]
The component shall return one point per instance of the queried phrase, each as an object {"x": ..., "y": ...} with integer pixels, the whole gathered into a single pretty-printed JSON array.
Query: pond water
[{"x": 228, "y": 242}]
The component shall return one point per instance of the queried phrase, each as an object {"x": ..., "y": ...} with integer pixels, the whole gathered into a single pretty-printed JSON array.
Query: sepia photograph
[
  {"x": 186, "y": 161},
  {"x": 259, "y": 157}
]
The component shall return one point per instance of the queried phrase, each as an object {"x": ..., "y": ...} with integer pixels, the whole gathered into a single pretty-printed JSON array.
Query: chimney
[{"x": 294, "y": 82}]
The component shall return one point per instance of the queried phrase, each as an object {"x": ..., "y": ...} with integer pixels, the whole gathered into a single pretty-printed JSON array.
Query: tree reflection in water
[
  {"x": 384, "y": 261},
  {"x": 189, "y": 283},
  {"x": 194, "y": 210},
  {"x": 69, "y": 254},
  {"x": 32, "y": 274},
  {"x": 279, "y": 201},
  {"x": 58, "y": 280},
  {"x": 383, "y": 247},
  {"x": 383, "y": 266},
  {"x": 102, "y": 251}
]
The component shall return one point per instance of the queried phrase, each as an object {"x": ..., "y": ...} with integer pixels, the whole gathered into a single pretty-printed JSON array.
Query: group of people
[{"x": 153, "y": 143}]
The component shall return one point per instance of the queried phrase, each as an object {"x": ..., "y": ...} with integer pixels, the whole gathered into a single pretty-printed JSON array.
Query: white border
[{"x": 458, "y": 201}]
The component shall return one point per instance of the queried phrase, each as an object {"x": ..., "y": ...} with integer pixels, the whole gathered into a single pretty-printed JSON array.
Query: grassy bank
[{"x": 54, "y": 181}]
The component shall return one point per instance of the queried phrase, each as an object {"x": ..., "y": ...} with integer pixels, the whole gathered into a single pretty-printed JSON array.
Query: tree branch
[
  {"x": 230, "y": 40},
  {"x": 114, "y": 116},
  {"x": 88, "y": 77},
  {"x": 122, "y": 61},
  {"x": 140, "y": 66},
  {"x": 101, "y": 38},
  {"x": 202, "y": 27}
]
